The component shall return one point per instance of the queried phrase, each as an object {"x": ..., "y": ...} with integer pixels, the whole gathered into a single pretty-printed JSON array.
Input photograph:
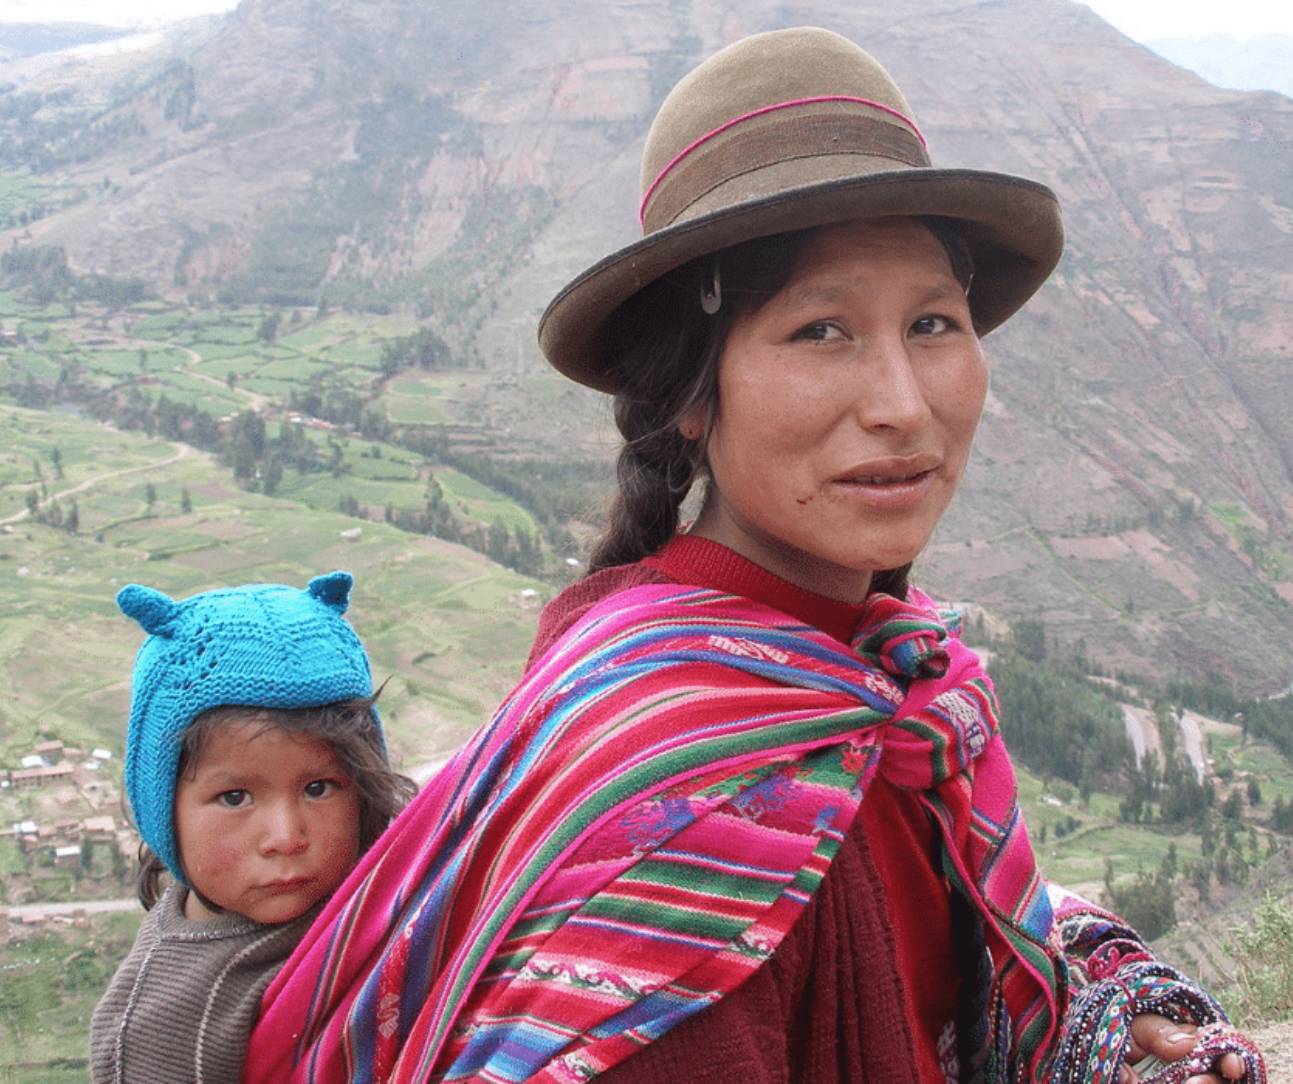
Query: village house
[
  {"x": 104, "y": 827},
  {"x": 28, "y": 778},
  {"x": 69, "y": 855}
]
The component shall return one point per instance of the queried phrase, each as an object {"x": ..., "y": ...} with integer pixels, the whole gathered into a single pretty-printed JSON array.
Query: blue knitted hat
[{"x": 261, "y": 645}]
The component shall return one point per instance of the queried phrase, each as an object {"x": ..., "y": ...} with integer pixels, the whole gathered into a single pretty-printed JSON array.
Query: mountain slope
[{"x": 1132, "y": 486}]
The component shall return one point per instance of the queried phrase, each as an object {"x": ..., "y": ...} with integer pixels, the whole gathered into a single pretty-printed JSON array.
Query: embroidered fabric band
[{"x": 769, "y": 137}]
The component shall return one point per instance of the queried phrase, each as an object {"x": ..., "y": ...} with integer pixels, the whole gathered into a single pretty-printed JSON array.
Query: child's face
[{"x": 267, "y": 822}]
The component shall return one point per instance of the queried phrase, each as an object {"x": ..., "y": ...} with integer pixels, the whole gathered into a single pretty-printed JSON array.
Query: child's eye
[
  {"x": 819, "y": 332},
  {"x": 233, "y": 799},
  {"x": 321, "y": 788}
]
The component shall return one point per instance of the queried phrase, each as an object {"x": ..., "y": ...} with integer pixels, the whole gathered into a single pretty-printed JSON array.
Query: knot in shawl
[{"x": 636, "y": 830}]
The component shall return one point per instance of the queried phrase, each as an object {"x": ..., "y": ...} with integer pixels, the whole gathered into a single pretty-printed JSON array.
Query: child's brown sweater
[{"x": 183, "y": 1002}]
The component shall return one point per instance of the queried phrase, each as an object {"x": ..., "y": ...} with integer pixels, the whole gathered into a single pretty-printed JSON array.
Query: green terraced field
[{"x": 438, "y": 618}]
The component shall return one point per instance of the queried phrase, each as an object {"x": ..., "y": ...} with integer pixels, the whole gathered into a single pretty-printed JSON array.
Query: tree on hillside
[
  {"x": 1149, "y": 903},
  {"x": 246, "y": 444},
  {"x": 271, "y": 475},
  {"x": 186, "y": 502},
  {"x": 150, "y": 496},
  {"x": 56, "y": 458}
]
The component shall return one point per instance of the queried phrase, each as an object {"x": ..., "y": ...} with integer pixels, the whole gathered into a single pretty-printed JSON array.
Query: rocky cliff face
[{"x": 1132, "y": 485}]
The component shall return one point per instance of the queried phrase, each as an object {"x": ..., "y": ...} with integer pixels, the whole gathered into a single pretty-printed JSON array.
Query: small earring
[
  {"x": 711, "y": 296},
  {"x": 968, "y": 283}
]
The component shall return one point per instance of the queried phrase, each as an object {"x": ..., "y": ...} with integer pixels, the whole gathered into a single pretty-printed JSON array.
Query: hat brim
[{"x": 1012, "y": 226}]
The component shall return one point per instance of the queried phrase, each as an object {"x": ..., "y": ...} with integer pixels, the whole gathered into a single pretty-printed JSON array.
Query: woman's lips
[{"x": 889, "y": 486}]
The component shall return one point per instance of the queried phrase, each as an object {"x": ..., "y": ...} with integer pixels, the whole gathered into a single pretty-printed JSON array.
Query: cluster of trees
[
  {"x": 43, "y": 272},
  {"x": 1282, "y": 816},
  {"x": 345, "y": 408},
  {"x": 1169, "y": 792},
  {"x": 130, "y": 408},
  {"x": 1148, "y": 903},
  {"x": 552, "y": 492},
  {"x": 515, "y": 548},
  {"x": 1179, "y": 511},
  {"x": 1148, "y": 900},
  {"x": 259, "y": 459},
  {"x": 1058, "y": 721},
  {"x": 53, "y": 514},
  {"x": 424, "y": 349}
]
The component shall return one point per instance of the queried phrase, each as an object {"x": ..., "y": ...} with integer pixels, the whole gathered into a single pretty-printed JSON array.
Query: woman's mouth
[
  {"x": 888, "y": 486},
  {"x": 884, "y": 479}
]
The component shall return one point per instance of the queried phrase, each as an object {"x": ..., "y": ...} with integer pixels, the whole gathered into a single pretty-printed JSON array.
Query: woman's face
[{"x": 846, "y": 409}]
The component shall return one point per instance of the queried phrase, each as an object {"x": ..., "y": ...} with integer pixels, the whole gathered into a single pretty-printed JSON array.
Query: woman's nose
[
  {"x": 283, "y": 830},
  {"x": 888, "y": 393}
]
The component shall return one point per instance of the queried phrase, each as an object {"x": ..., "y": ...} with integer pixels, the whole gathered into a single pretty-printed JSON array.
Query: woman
[{"x": 747, "y": 817}]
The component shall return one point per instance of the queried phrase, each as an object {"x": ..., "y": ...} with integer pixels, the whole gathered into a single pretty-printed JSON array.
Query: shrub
[{"x": 1262, "y": 992}]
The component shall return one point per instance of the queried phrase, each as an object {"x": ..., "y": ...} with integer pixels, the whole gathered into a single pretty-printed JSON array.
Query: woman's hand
[{"x": 1157, "y": 1035}]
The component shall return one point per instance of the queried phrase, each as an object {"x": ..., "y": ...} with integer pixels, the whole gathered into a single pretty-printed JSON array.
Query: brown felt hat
[{"x": 785, "y": 131}]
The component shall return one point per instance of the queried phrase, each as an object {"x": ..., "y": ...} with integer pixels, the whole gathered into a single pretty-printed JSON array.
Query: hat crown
[{"x": 781, "y": 69}]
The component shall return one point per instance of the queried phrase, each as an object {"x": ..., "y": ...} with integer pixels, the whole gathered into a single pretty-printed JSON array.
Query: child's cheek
[{"x": 215, "y": 859}]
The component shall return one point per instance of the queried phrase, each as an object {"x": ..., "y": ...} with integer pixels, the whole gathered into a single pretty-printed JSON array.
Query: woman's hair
[
  {"x": 665, "y": 350},
  {"x": 350, "y": 729}
]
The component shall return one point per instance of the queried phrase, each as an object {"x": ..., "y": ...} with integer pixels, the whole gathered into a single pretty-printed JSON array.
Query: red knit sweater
[{"x": 864, "y": 988}]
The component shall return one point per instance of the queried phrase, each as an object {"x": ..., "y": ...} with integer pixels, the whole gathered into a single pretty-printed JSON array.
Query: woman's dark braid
[{"x": 655, "y": 469}]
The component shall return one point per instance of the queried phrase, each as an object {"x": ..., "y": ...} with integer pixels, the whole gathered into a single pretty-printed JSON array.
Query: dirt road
[
  {"x": 70, "y": 907},
  {"x": 81, "y": 487}
]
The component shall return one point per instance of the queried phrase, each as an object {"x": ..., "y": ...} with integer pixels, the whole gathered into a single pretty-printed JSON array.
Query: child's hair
[{"x": 349, "y": 726}]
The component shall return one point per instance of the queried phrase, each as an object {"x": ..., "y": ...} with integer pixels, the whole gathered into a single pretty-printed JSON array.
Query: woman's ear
[{"x": 692, "y": 425}]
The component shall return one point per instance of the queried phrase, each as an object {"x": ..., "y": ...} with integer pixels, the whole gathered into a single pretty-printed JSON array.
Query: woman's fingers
[
  {"x": 1232, "y": 1067},
  {"x": 1157, "y": 1035},
  {"x": 1153, "y": 1034}
]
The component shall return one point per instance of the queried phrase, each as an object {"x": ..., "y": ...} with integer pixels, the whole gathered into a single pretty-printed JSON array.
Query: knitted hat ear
[
  {"x": 153, "y": 610},
  {"x": 333, "y": 589}
]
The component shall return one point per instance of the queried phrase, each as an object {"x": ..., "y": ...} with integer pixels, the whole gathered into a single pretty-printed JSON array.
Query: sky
[
  {"x": 1139, "y": 19},
  {"x": 1149, "y": 19}
]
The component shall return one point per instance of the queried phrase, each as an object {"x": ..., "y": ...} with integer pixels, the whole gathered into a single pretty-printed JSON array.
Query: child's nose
[{"x": 283, "y": 830}]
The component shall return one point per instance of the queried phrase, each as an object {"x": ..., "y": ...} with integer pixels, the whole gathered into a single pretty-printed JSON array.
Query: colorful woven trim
[
  {"x": 636, "y": 830},
  {"x": 1115, "y": 978}
]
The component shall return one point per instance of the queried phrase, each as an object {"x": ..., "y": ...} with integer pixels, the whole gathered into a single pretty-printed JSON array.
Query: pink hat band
[{"x": 803, "y": 128}]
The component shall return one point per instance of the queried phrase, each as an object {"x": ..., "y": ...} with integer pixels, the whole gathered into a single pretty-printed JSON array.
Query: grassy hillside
[{"x": 446, "y": 625}]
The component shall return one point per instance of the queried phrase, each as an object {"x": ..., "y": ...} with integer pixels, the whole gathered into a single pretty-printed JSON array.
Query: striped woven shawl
[{"x": 635, "y": 831}]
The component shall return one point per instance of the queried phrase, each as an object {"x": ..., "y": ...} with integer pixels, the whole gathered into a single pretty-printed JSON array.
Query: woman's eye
[
  {"x": 932, "y": 325},
  {"x": 819, "y": 332},
  {"x": 233, "y": 799},
  {"x": 321, "y": 788}
]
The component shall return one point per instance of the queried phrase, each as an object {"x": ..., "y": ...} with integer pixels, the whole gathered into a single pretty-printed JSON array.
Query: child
[{"x": 257, "y": 775}]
